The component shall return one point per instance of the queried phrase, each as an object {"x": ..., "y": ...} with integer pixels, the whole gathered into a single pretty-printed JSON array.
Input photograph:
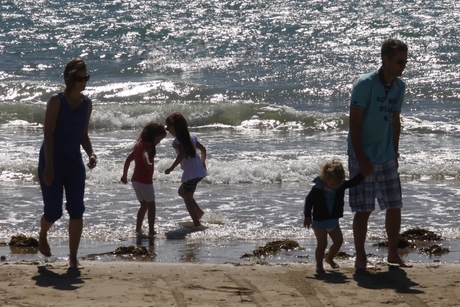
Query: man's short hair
[{"x": 391, "y": 46}]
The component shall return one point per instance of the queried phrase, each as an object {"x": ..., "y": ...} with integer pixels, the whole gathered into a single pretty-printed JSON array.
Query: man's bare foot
[
  {"x": 43, "y": 246},
  {"x": 332, "y": 263},
  {"x": 398, "y": 262}
]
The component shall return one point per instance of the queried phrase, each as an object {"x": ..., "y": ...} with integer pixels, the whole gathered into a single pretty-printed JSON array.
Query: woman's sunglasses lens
[{"x": 80, "y": 78}]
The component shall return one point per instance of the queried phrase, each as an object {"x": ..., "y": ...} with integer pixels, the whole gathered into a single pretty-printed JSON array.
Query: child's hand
[
  {"x": 307, "y": 222},
  {"x": 149, "y": 165},
  {"x": 124, "y": 179},
  {"x": 168, "y": 170}
]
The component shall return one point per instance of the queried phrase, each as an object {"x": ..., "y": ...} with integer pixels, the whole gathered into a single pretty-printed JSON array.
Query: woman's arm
[{"x": 86, "y": 142}]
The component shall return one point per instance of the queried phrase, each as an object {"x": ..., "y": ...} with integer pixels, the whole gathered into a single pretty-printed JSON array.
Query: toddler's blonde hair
[{"x": 332, "y": 170}]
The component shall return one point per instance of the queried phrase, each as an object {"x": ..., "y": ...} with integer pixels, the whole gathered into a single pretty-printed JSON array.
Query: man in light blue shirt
[{"x": 373, "y": 143}]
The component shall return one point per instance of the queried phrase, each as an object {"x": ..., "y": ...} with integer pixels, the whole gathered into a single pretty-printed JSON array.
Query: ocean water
[{"x": 264, "y": 84}]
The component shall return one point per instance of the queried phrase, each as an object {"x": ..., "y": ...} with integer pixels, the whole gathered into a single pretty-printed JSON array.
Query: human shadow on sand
[
  {"x": 65, "y": 281},
  {"x": 395, "y": 278},
  {"x": 332, "y": 277}
]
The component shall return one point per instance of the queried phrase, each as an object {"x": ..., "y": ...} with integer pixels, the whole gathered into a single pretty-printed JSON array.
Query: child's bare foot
[
  {"x": 320, "y": 269},
  {"x": 368, "y": 266},
  {"x": 43, "y": 246},
  {"x": 332, "y": 263}
]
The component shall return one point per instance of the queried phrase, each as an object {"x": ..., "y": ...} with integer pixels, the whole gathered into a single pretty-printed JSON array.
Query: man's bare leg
[
  {"x": 360, "y": 233},
  {"x": 393, "y": 227}
]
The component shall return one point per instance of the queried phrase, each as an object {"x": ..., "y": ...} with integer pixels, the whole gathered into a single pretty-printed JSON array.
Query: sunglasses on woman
[{"x": 81, "y": 79}]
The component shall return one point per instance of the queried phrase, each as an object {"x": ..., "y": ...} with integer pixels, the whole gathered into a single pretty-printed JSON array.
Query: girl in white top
[{"x": 194, "y": 166}]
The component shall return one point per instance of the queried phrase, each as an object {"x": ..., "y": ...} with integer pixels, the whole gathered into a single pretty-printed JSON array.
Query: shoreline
[
  {"x": 213, "y": 252},
  {"x": 185, "y": 284}
]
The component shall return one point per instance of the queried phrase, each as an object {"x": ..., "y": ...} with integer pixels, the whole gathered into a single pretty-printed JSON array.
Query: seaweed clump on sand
[
  {"x": 434, "y": 250},
  {"x": 402, "y": 243},
  {"x": 419, "y": 234},
  {"x": 132, "y": 250},
  {"x": 414, "y": 237},
  {"x": 272, "y": 248},
  {"x": 126, "y": 252},
  {"x": 23, "y": 241}
]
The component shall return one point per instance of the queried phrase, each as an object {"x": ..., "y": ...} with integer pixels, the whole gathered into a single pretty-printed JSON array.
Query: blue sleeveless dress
[{"x": 69, "y": 170}]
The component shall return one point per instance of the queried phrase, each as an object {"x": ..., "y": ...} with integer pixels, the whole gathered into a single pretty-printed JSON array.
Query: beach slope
[{"x": 179, "y": 284}]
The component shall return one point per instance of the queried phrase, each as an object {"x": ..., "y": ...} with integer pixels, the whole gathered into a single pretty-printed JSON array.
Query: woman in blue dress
[{"x": 60, "y": 166}]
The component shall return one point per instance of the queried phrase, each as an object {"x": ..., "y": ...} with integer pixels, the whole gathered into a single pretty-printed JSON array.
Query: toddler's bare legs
[
  {"x": 321, "y": 244},
  {"x": 337, "y": 241}
]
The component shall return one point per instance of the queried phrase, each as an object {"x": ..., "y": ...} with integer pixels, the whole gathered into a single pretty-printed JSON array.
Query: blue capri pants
[{"x": 69, "y": 176}]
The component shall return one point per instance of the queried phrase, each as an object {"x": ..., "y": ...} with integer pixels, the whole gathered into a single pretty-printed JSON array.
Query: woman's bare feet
[{"x": 43, "y": 246}]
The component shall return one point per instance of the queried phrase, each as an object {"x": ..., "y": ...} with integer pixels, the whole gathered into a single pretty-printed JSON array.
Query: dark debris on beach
[
  {"x": 23, "y": 241},
  {"x": 127, "y": 253},
  {"x": 415, "y": 237},
  {"x": 272, "y": 248}
]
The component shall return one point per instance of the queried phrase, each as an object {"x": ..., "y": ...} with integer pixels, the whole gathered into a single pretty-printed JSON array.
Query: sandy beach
[{"x": 158, "y": 284}]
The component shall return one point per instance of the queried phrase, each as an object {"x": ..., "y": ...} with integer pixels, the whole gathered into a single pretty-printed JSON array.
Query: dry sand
[{"x": 178, "y": 284}]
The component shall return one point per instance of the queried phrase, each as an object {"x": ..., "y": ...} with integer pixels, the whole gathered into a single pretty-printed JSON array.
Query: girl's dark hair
[
  {"x": 178, "y": 121},
  {"x": 148, "y": 134},
  {"x": 71, "y": 69}
]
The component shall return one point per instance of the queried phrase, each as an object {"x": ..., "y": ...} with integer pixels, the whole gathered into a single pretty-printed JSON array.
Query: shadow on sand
[
  {"x": 65, "y": 281},
  {"x": 332, "y": 277},
  {"x": 395, "y": 278}
]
